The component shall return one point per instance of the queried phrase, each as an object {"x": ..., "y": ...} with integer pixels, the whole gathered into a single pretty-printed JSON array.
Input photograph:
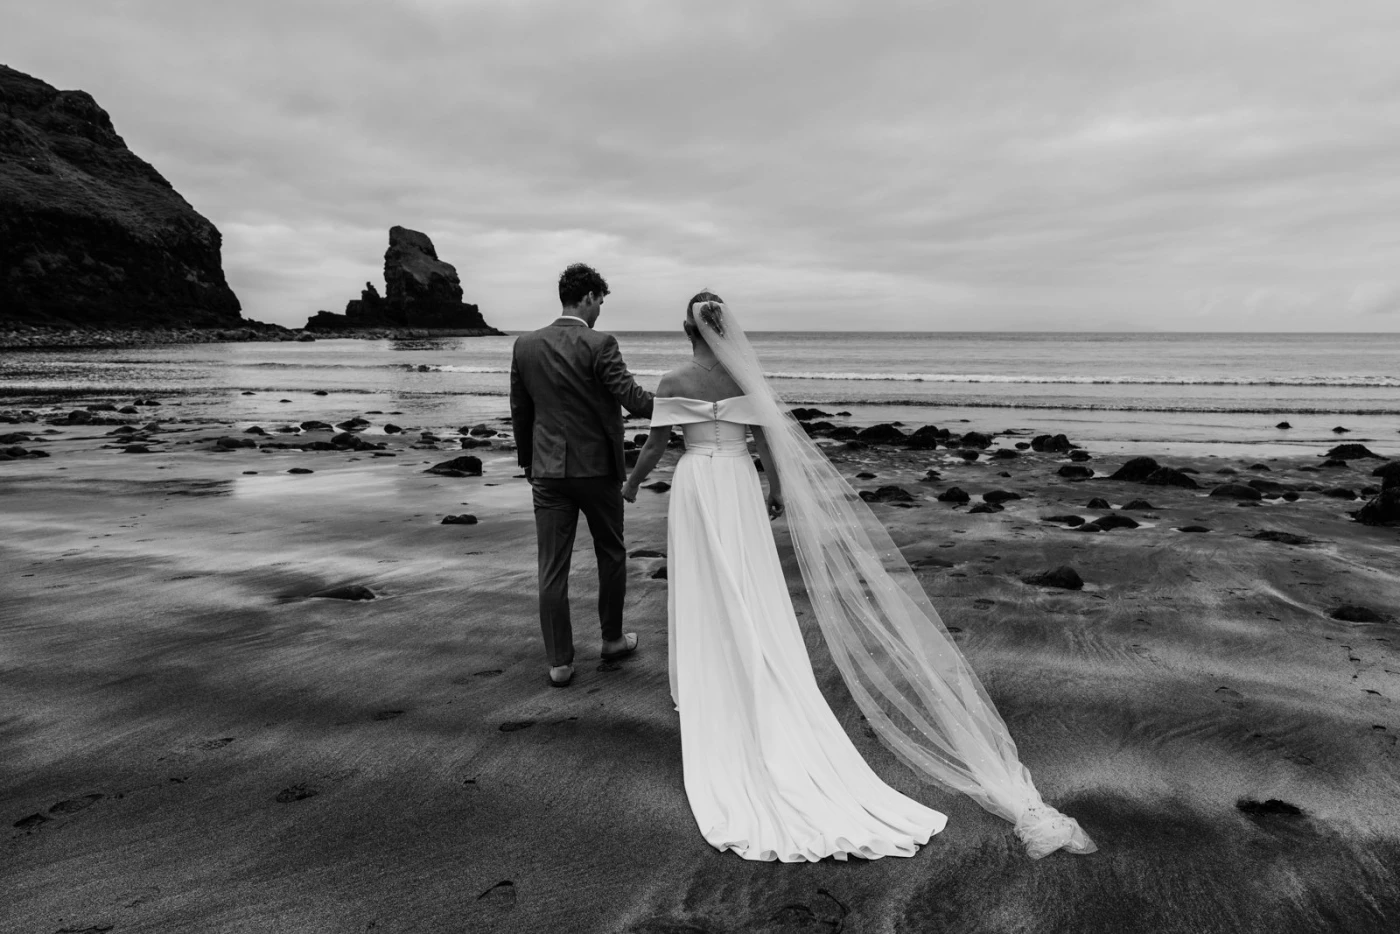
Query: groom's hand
[
  {"x": 775, "y": 505},
  {"x": 629, "y": 492}
]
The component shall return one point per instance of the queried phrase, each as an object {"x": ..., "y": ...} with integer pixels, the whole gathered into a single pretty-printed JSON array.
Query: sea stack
[
  {"x": 420, "y": 291},
  {"x": 91, "y": 235}
]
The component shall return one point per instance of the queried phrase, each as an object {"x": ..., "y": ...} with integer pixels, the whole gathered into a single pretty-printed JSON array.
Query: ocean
[{"x": 1220, "y": 393}]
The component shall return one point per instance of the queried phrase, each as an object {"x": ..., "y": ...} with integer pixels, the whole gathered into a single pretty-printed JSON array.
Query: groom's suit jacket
[{"x": 567, "y": 382}]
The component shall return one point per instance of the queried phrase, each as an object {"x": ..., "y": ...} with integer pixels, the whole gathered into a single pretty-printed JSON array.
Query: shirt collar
[{"x": 574, "y": 318}]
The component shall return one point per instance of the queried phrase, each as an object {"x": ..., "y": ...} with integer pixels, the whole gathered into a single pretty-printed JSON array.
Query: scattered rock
[
  {"x": 806, "y": 415},
  {"x": 976, "y": 439},
  {"x": 1389, "y": 474},
  {"x": 881, "y": 434},
  {"x": 1080, "y": 455},
  {"x": 463, "y": 519},
  {"x": 1064, "y": 577},
  {"x": 1286, "y": 538},
  {"x": 647, "y": 553},
  {"x": 230, "y": 443},
  {"x": 986, "y": 507},
  {"x": 297, "y": 792},
  {"x": 464, "y": 466},
  {"x": 927, "y": 438},
  {"x": 1351, "y": 452},
  {"x": 865, "y": 475},
  {"x": 1053, "y": 444},
  {"x": 932, "y": 476},
  {"x": 969, "y": 454},
  {"x": 313, "y": 425},
  {"x": 1259, "y": 467},
  {"x": 1169, "y": 476},
  {"x": 1109, "y": 523},
  {"x": 1235, "y": 491},
  {"x": 353, "y": 424},
  {"x": 1283, "y": 425},
  {"x": 345, "y": 592},
  {"x": 888, "y": 494},
  {"x": 1136, "y": 470},
  {"x": 1340, "y": 492},
  {"x": 74, "y": 805},
  {"x": 1339, "y": 430},
  {"x": 953, "y": 495},
  {"x": 1354, "y": 613},
  {"x": 997, "y": 497},
  {"x": 660, "y": 486},
  {"x": 659, "y": 574},
  {"x": 1071, "y": 521},
  {"x": 1139, "y": 505},
  {"x": 254, "y": 430},
  {"x": 1271, "y": 808},
  {"x": 919, "y": 563},
  {"x": 1075, "y": 472},
  {"x": 392, "y": 429},
  {"x": 1384, "y": 510},
  {"x": 1097, "y": 502},
  {"x": 1005, "y": 454},
  {"x": 1193, "y": 528},
  {"x": 301, "y": 470}
]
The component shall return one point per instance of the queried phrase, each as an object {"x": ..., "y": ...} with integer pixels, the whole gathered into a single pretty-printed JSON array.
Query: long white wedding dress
[{"x": 769, "y": 771}]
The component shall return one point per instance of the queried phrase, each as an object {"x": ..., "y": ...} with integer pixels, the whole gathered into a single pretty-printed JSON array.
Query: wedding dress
[{"x": 769, "y": 771}]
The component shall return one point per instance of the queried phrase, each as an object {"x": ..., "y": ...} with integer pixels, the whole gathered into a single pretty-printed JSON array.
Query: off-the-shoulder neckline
[{"x": 705, "y": 401}]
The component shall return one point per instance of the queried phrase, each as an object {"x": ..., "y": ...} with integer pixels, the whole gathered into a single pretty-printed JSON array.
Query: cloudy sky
[{"x": 1087, "y": 164}]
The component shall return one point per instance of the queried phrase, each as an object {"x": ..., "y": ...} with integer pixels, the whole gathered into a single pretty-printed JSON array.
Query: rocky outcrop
[
  {"x": 420, "y": 291},
  {"x": 91, "y": 235}
]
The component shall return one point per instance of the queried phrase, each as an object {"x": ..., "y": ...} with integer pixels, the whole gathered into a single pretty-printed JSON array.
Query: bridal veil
[{"x": 910, "y": 681}]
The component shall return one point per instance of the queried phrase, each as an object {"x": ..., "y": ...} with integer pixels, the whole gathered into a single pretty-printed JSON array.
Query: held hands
[
  {"x": 629, "y": 491},
  {"x": 775, "y": 504}
]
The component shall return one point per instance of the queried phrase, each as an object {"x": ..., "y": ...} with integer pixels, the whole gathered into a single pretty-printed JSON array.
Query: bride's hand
[
  {"x": 629, "y": 492},
  {"x": 775, "y": 504}
]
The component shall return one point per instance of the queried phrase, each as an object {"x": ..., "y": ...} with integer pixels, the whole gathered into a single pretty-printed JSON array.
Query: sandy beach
[{"x": 192, "y": 741}]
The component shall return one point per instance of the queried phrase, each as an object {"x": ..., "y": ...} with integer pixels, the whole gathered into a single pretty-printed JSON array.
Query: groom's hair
[{"x": 577, "y": 281}]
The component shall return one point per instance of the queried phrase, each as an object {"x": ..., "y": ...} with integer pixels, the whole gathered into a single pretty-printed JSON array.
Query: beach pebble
[
  {"x": 136, "y": 449},
  {"x": 1193, "y": 528},
  {"x": 1170, "y": 476},
  {"x": 976, "y": 439},
  {"x": 392, "y": 429},
  {"x": 464, "y": 466},
  {"x": 1071, "y": 521},
  {"x": 1139, "y": 505},
  {"x": 1227, "y": 471},
  {"x": 1000, "y": 496},
  {"x": 1259, "y": 467},
  {"x": 881, "y": 434},
  {"x": 1354, "y": 613},
  {"x": 865, "y": 475},
  {"x": 1351, "y": 452},
  {"x": 129, "y": 410},
  {"x": 646, "y": 553},
  {"x": 301, "y": 470},
  {"x": 1340, "y": 492},
  {"x": 1109, "y": 523},
  {"x": 1270, "y": 808},
  {"x": 1064, "y": 577},
  {"x": 1334, "y": 463},
  {"x": 1384, "y": 510},
  {"x": 320, "y": 392},
  {"x": 932, "y": 476},
  {"x": 660, "y": 486},
  {"x": 1235, "y": 491},
  {"x": 254, "y": 430},
  {"x": 353, "y": 424},
  {"x": 1054, "y": 444},
  {"x": 659, "y": 574},
  {"x": 969, "y": 455},
  {"x": 1286, "y": 538},
  {"x": 1005, "y": 454},
  {"x": 1339, "y": 430},
  {"x": 463, "y": 519},
  {"x": 231, "y": 443},
  {"x": 1022, "y": 445},
  {"x": 1136, "y": 470},
  {"x": 1097, "y": 502},
  {"x": 469, "y": 442},
  {"x": 313, "y": 425},
  {"x": 345, "y": 592},
  {"x": 1283, "y": 425},
  {"x": 986, "y": 507},
  {"x": 888, "y": 494},
  {"x": 1075, "y": 472},
  {"x": 927, "y": 438},
  {"x": 953, "y": 495}
]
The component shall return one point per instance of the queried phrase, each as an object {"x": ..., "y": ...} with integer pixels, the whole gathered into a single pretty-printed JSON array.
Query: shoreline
[{"x": 39, "y": 338}]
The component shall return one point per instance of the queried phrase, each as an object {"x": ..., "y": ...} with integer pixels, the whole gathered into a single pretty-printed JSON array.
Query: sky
[{"x": 965, "y": 166}]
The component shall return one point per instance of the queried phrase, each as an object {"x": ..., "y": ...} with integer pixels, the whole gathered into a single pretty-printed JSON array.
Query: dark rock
[
  {"x": 881, "y": 434},
  {"x": 1368, "y": 491},
  {"x": 986, "y": 507},
  {"x": 1065, "y": 577},
  {"x": 1136, "y": 470},
  {"x": 420, "y": 291},
  {"x": 1227, "y": 471},
  {"x": 926, "y": 438},
  {"x": 1193, "y": 528},
  {"x": 1054, "y": 444},
  {"x": 1290, "y": 496},
  {"x": 90, "y": 234},
  {"x": 1109, "y": 523},
  {"x": 1340, "y": 492},
  {"x": 843, "y": 433},
  {"x": 1333, "y": 462},
  {"x": 1270, "y": 808},
  {"x": 316, "y": 426},
  {"x": 976, "y": 439},
  {"x": 969, "y": 455},
  {"x": 1079, "y": 455},
  {"x": 136, "y": 449},
  {"x": 1339, "y": 430},
  {"x": 319, "y": 446},
  {"x": 1267, "y": 486},
  {"x": 1023, "y": 445},
  {"x": 1000, "y": 496},
  {"x": 1139, "y": 505},
  {"x": 1169, "y": 476},
  {"x": 1075, "y": 472},
  {"x": 1352, "y": 613},
  {"x": 1097, "y": 502},
  {"x": 931, "y": 476},
  {"x": 254, "y": 430},
  {"x": 392, "y": 429},
  {"x": 469, "y": 442},
  {"x": 463, "y": 519},
  {"x": 464, "y": 466},
  {"x": 660, "y": 486},
  {"x": 953, "y": 495},
  {"x": 1351, "y": 452},
  {"x": 1235, "y": 491},
  {"x": 320, "y": 392},
  {"x": 889, "y": 494},
  {"x": 1384, "y": 510},
  {"x": 230, "y": 443},
  {"x": 1286, "y": 538},
  {"x": 301, "y": 470},
  {"x": 659, "y": 574},
  {"x": 129, "y": 410},
  {"x": 346, "y": 592},
  {"x": 479, "y": 431},
  {"x": 1389, "y": 474},
  {"x": 1259, "y": 467},
  {"x": 1005, "y": 454},
  {"x": 865, "y": 475},
  {"x": 1283, "y": 425},
  {"x": 353, "y": 424},
  {"x": 1071, "y": 521},
  {"x": 647, "y": 553},
  {"x": 806, "y": 415}
]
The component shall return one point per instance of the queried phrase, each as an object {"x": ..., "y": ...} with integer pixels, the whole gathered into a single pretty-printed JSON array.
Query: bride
[{"x": 769, "y": 771}]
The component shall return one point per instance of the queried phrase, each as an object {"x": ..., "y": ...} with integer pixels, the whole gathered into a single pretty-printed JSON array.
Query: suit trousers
[{"x": 558, "y": 501}]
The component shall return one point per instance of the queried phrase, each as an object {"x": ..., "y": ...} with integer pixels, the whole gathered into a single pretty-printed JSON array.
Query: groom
[{"x": 567, "y": 382}]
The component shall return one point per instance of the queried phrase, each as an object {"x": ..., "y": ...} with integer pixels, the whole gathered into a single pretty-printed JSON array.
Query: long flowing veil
[{"x": 908, "y": 678}]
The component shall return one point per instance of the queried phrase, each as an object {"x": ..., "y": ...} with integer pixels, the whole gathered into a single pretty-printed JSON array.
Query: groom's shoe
[
  {"x": 628, "y": 646},
  {"x": 561, "y": 675}
]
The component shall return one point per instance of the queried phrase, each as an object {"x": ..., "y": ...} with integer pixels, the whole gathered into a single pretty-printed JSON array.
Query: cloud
[{"x": 824, "y": 165}]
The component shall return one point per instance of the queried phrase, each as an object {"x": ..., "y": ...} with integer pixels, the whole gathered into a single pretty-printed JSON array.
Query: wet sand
[{"x": 191, "y": 741}]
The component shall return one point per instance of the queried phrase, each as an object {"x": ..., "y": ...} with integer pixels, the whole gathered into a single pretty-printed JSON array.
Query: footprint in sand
[
  {"x": 298, "y": 792},
  {"x": 74, "y": 805},
  {"x": 388, "y": 714},
  {"x": 512, "y": 726},
  {"x": 500, "y": 896},
  {"x": 610, "y": 666},
  {"x": 210, "y": 744}
]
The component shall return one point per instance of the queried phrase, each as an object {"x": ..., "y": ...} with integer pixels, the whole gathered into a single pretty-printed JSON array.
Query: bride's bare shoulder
[{"x": 673, "y": 383}]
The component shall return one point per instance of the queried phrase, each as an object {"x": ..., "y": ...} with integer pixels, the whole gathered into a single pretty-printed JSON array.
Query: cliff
[
  {"x": 91, "y": 235},
  {"x": 420, "y": 291}
]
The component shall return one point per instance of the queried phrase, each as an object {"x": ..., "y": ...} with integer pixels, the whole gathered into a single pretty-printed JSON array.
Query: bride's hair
[{"x": 710, "y": 314}]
